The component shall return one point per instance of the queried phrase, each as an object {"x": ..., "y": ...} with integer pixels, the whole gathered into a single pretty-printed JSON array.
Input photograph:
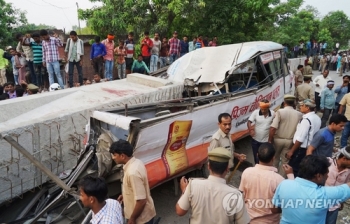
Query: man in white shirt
[
  {"x": 260, "y": 132},
  {"x": 320, "y": 83},
  {"x": 304, "y": 134}
]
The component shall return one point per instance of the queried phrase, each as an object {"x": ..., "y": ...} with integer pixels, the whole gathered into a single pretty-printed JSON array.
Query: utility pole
[{"x": 78, "y": 18}]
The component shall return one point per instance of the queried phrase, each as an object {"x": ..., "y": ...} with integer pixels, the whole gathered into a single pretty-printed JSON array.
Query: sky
[{"x": 63, "y": 13}]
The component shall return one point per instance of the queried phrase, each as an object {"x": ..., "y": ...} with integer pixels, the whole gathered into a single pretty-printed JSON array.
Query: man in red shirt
[{"x": 146, "y": 46}]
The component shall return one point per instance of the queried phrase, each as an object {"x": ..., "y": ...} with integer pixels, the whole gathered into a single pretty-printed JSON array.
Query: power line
[
  {"x": 58, "y": 6},
  {"x": 36, "y": 3}
]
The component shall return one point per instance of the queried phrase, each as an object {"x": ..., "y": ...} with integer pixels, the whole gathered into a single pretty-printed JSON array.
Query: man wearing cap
[
  {"x": 339, "y": 173},
  {"x": 212, "y": 200},
  {"x": 262, "y": 118},
  {"x": 174, "y": 48},
  {"x": 304, "y": 134},
  {"x": 320, "y": 83},
  {"x": 282, "y": 131},
  {"x": 308, "y": 69},
  {"x": 32, "y": 89},
  {"x": 305, "y": 90},
  {"x": 222, "y": 138},
  {"x": 327, "y": 102},
  {"x": 299, "y": 75},
  {"x": 341, "y": 91},
  {"x": 7, "y": 54},
  {"x": 109, "y": 57},
  {"x": 260, "y": 182}
]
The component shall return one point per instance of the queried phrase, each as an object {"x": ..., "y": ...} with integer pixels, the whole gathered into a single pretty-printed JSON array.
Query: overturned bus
[{"x": 171, "y": 136}]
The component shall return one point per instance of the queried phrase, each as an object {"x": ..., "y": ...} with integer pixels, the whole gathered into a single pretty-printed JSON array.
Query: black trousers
[
  {"x": 147, "y": 60},
  {"x": 317, "y": 101},
  {"x": 294, "y": 162},
  {"x": 98, "y": 66}
]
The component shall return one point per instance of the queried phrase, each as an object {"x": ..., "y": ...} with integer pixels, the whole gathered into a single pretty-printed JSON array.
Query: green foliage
[
  {"x": 338, "y": 25},
  {"x": 325, "y": 35},
  {"x": 83, "y": 31},
  {"x": 301, "y": 26},
  {"x": 28, "y": 27},
  {"x": 10, "y": 18},
  {"x": 231, "y": 20}
]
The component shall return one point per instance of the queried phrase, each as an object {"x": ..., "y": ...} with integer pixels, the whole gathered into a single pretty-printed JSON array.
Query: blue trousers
[
  {"x": 154, "y": 63},
  {"x": 109, "y": 69},
  {"x": 54, "y": 68},
  {"x": 172, "y": 58},
  {"x": 345, "y": 135},
  {"x": 255, "y": 147}
]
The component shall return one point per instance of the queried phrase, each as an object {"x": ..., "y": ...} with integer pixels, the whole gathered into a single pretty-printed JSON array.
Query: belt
[{"x": 284, "y": 138}]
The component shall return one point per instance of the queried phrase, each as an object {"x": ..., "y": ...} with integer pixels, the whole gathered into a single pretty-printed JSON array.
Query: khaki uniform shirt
[
  {"x": 323, "y": 61},
  {"x": 308, "y": 70},
  {"x": 285, "y": 122},
  {"x": 304, "y": 91},
  {"x": 213, "y": 201},
  {"x": 135, "y": 187},
  {"x": 220, "y": 139},
  {"x": 346, "y": 102},
  {"x": 299, "y": 77}
]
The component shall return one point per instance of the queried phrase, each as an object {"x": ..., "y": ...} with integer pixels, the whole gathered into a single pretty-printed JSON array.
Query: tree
[
  {"x": 31, "y": 26},
  {"x": 324, "y": 35},
  {"x": 231, "y": 21},
  {"x": 338, "y": 25},
  {"x": 83, "y": 31},
  {"x": 301, "y": 26},
  {"x": 10, "y": 18}
]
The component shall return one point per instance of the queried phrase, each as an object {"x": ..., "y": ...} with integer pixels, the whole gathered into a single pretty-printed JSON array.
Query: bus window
[{"x": 272, "y": 70}]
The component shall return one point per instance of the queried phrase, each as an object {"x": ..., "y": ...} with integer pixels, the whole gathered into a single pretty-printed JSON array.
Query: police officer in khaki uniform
[
  {"x": 308, "y": 69},
  {"x": 305, "y": 90},
  {"x": 212, "y": 200},
  {"x": 282, "y": 131},
  {"x": 298, "y": 76},
  {"x": 222, "y": 138}
]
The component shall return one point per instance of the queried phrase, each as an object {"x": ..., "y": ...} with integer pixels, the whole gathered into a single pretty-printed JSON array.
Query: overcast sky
[{"x": 63, "y": 13}]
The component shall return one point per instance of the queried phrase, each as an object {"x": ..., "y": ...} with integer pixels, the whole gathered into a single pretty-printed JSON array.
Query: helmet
[{"x": 54, "y": 87}]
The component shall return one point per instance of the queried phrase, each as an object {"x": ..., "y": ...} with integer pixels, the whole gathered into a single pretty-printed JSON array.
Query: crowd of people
[
  {"x": 35, "y": 62},
  {"x": 297, "y": 178}
]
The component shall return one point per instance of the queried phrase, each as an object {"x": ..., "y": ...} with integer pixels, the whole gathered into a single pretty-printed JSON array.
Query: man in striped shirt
[
  {"x": 51, "y": 56},
  {"x": 37, "y": 48},
  {"x": 175, "y": 48}
]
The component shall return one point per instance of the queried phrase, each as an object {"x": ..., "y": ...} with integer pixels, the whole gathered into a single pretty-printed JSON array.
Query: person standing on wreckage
[{"x": 222, "y": 138}]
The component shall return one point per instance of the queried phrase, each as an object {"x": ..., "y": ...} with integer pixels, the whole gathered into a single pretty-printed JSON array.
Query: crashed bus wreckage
[{"x": 52, "y": 140}]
